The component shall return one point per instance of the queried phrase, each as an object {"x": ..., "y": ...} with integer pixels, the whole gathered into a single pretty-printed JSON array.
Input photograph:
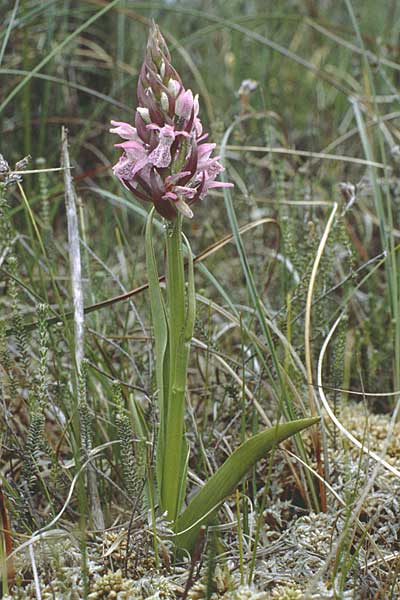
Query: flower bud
[
  {"x": 162, "y": 69},
  {"x": 164, "y": 101},
  {"x": 184, "y": 105},
  {"x": 144, "y": 113},
  {"x": 173, "y": 87},
  {"x": 184, "y": 208}
]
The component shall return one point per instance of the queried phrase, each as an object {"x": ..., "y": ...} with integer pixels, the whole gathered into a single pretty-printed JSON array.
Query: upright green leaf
[
  {"x": 175, "y": 447},
  {"x": 160, "y": 329}
]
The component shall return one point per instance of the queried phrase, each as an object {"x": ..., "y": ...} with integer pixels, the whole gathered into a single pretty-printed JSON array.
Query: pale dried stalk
[
  {"x": 77, "y": 294},
  {"x": 374, "y": 455},
  {"x": 316, "y": 435},
  {"x": 307, "y": 326}
]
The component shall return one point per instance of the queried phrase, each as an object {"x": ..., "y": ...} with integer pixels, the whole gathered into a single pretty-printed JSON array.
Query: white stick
[{"x": 77, "y": 293}]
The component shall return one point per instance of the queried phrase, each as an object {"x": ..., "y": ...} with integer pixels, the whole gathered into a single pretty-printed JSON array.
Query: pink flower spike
[{"x": 165, "y": 157}]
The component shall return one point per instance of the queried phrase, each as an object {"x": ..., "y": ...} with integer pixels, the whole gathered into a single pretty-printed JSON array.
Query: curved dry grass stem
[
  {"x": 35, "y": 573},
  {"x": 332, "y": 415},
  {"x": 310, "y": 292},
  {"x": 316, "y": 437},
  {"x": 358, "y": 393}
]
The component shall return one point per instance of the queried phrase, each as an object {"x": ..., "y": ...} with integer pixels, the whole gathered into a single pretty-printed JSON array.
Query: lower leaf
[{"x": 202, "y": 508}]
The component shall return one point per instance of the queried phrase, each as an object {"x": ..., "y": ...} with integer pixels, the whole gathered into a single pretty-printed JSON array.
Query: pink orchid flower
[{"x": 165, "y": 159}]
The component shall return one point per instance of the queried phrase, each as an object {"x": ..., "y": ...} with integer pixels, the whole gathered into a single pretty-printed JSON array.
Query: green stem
[
  {"x": 173, "y": 330},
  {"x": 160, "y": 331},
  {"x": 175, "y": 448}
]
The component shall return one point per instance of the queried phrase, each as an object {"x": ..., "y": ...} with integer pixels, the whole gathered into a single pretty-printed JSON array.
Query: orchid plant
[{"x": 167, "y": 161}]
